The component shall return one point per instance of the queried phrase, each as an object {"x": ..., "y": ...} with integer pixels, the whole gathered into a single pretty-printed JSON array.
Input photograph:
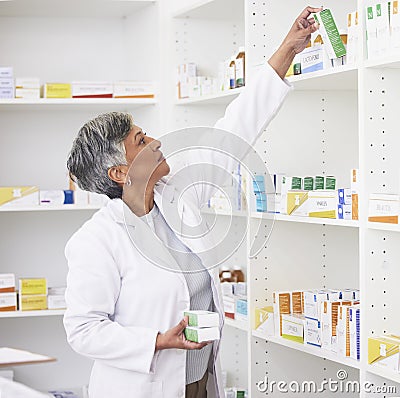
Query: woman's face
[{"x": 146, "y": 161}]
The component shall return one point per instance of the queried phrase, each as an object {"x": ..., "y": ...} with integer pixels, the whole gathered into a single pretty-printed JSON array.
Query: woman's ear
[{"x": 118, "y": 174}]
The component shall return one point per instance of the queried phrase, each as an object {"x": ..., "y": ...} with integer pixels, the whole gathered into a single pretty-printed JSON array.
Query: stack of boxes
[
  {"x": 32, "y": 294},
  {"x": 6, "y": 82},
  {"x": 8, "y": 295},
  {"x": 202, "y": 326},
  {"x": 383, "y": 29},
  {"x": 27, "y": 88},
  {"x": 328, "y": 318},
  {"x": 260, "y": 194},
  {"x": 311, "y": 196}
]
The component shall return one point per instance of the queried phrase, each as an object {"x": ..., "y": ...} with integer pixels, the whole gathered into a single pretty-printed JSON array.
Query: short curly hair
[{"x": 98, "y": 147}]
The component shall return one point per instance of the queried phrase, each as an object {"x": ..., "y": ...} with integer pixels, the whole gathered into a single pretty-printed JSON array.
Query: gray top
[{"x": 198, "y": 283}]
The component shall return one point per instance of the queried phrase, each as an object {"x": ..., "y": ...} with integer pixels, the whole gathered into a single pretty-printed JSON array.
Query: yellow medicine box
[
  {"x": 57, "y": 90},
  {"x": 384, "y": 351},
  {"x": 19, "y": 196},
  {"x": 33, "y": 286},
  {"x": 33, "y": 302}
]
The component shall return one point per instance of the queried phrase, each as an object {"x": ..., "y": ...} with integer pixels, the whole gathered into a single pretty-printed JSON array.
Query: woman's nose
[{"x": 155, "y": 145}]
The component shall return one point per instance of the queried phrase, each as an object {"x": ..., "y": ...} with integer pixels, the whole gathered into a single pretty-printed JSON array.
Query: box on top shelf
[
  {"x": 57, "y": 90},
  {"x": 19, "y": 196},
  {"x": 87, "y": 89},
  {"x": 134, "y": 89}
]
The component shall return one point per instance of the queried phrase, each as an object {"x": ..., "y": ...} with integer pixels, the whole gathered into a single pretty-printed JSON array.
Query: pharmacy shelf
[
  {"x": 96, "y": 103},
  {"x": 50, "y": 208},
  {"x": 222, "y": 98},
  {"x": 307, "y": 220},
  {"x": 25, "y": 314},
  {"x": 212, "y": 9},
  {"x": 340, "y": 78},
  {"x": 235, "y": 213},
  {"x": 392, "y": 62},
  {"x": 71, "y": 8},
  {"x": 237, "y": 324},
  {"x": 382, "y": 372},
  {"x": 383, "y": 226},
  {"x": 316, "y": 351}
]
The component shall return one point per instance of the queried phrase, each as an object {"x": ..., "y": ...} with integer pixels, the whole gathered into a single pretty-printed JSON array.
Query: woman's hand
[
  {"x": 175, "y": 338},
  {"x": 295, "y": 42}
]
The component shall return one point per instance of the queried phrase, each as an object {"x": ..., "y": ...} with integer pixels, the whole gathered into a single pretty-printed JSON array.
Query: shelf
[
  {"x": 318, "y": 352},
  {"x": 213, "y": 9},
  {"x": 384, "y": 226},
  {"x": 234, "y": 213},
  {"x": 222, "y": 98},
  {"x": 237, "y": 324},
  {"x": 391, "y": 62},
  {"x": 97, "y": 103},
  {"x": 50, "y": 208},
  {"x": 340, "y": 78},
  {"x": 71, "y": 8},
  {"x": 307, "y": 220},
  {"x": 25, "y": 314},
  {"x": 382, "y": 372}
]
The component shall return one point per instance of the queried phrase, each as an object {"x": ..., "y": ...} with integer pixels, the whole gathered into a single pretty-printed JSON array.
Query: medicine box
[
  {"x": 295, "y": 203},
  {"x": 394, "y": 27},
  {"x": 6, "y": 72},
  {"x": 344, "y": 212},
  {"x": 382, "y": 28},
  {"x": 354, "y": 186},
  {"x": 8, "y": 301},
  {"x": 134, "y": 89},
  {"x": 384, "y": 352},
  {"x": 6, "y": 93},
  {"x": 202, "y": 319},
  {"x": 56, "y": 302},
  {"x": 354, "y": 325},
  {"x": 312, "y": 303},
  {"x": 264, "y": 320},
  {"x": 19, "y": 196},
  {"x": 241, "y": 309},
  {"x": 293, "y": 327},
  {"x": 344, "y": 196},
  {"x": 312, "y": 332},
  {"x": 322, "y": 204},
  {"x": 56, "y": 197},
  {"x": 87, "y": 89},
  {"x": 32, "y": 302},
  {"x": 29, "y": 83},
  {"x": 343, "y": 332},
  {"x": 7, "y": 283},
  {"x": 32, "y": 286},
  {"x": 313, "y": 59},
  {"x": 281, "y": 305},
  {"x": 229, "y": 306},
  {"x": 199, "y": 335},
  {"x": 27, "y": 93},
  {"x": 57, "y": 90},
  {"x": 240, "y": 289},
  {"x": 384, "y": 208},
  {"x": 330, "y": 34},
  {"x": 7, "y": 84}
]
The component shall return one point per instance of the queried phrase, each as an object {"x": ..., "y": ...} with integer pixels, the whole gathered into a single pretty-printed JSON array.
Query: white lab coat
[{"x": 118, "y": 299}]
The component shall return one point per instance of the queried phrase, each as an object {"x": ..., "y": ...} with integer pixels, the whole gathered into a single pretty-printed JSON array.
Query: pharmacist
[{"x": 125, "y": 309}]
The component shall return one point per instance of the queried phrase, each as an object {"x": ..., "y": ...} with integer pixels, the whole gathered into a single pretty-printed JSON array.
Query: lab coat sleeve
[
  {"x": 246, "y": 117},
  {"x": 93, "y": 285}
]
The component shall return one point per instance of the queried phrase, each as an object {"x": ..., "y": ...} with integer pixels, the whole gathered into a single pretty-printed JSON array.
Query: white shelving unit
[
  {"x": 27, "y": 314},
  {"x": 61, "y": 41},
  {"x": 333, "y": 121},
  {"x": 50, "y": 208}
]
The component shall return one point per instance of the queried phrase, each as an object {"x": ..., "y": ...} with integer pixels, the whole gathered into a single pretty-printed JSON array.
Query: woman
[{"x": 131, "y": 269}]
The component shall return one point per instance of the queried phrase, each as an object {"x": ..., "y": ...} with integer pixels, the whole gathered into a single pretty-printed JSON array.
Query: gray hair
[{"x": 98, "y": 147}]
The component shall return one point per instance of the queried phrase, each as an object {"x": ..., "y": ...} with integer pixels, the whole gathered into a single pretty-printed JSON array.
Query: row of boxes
[
  {"x": 7, "y": 87},
  {"x": 235, "y": 300},
  {"x": 307, "y": 196},
  {"x": 18, "y": 196},
  {"x": 33, "y": 294},
  {"x": 383, "y": 29},
  {"x": 30, "y": 88},
  {"x": 329, "y": 319}
]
